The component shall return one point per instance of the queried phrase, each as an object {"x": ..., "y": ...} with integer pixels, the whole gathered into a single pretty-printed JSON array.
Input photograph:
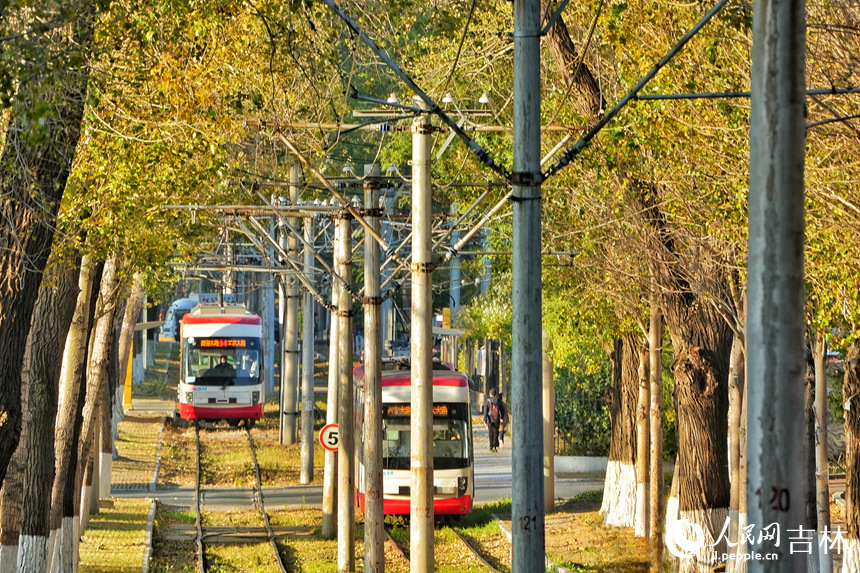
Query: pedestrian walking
[
  {"x": 502, "y": 425},
  {"x": 495, "y": 417}
]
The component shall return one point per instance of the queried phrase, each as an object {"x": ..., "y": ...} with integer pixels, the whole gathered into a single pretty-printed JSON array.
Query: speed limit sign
[{"x": 328, "y": 437}]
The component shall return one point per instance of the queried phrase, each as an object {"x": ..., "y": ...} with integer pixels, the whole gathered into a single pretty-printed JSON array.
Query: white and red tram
[
  {"x": 453, "y": 467},
  {"x": 220, "y": 365}
]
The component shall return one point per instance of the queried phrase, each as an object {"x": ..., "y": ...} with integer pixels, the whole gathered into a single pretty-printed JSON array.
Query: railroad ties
[{"x": 233, "y": 534}]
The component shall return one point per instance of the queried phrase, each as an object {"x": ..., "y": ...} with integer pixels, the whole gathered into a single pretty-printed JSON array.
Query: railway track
[
  {"x": 258, "y": 497},
  {"x": 461, "y": 541}
]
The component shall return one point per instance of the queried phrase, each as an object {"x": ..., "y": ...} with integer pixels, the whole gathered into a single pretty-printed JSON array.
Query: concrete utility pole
[
  {"x": 290, "y": 330},
  {"x": 346, "y": 442},
  {"x": 527, "y": 507},
  {"x": 777, "y": 482},
  {"x": 308, "y": 337},
  {"x": 329, "y": 518},
  {"x": 374, "y": 535},
  {"x": 421, "y": 556}
]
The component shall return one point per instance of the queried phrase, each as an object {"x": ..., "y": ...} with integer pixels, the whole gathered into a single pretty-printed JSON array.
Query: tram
[
  {"x": 220, "y": 365},
  {"x": 453, "y": 465}
]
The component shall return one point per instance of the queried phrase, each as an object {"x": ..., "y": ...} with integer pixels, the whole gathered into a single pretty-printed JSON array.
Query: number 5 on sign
[{"x": 328, "y": 437}]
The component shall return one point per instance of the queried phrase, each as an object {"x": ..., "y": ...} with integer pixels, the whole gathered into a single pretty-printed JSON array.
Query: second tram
[
  {"x": 453, "y": 467},
  {"x": 220, "y": 365}
]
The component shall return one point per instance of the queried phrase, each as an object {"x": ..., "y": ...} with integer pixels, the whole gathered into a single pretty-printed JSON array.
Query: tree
[{"x": 34, "y": 167}]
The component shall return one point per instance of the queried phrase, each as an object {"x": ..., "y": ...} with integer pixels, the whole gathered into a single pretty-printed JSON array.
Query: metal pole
[
  {"x": 777, "y": 482},
  {"x": 455, "y": 280},
  {"x": 421, "y": 505},
  {"x": 308, "y": 337},
  {"x": 374, "y": 535},
  {"x": 329, "y": 518},
  {"x": 527, "y": 507},
  {"x": 346, "y": 442},
  {"x": 282, "y": 316},
  {"x": 290, "y": 327}
]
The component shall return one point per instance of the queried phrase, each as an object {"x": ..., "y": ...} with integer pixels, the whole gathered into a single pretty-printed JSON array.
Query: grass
[
  {"x": 136, "y": 445},
  {"x": 114, "y": 541}
]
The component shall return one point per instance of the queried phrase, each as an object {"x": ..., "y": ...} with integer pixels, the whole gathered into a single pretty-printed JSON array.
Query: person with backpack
[{"x": 495, "y": 417}]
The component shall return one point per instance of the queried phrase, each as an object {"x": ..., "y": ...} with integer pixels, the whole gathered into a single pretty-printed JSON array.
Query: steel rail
[{"x": 474, "y": 551}]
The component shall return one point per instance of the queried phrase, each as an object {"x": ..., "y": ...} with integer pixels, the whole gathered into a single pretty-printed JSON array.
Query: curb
[
  {"x": 510, "y": 536},
  {"x": 150, "y": 526}
]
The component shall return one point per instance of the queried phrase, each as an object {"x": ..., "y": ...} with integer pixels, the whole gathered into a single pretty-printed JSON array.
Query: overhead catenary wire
[
  {"x": 482, "y": 154},
  {"x": 302, "y": 278}
]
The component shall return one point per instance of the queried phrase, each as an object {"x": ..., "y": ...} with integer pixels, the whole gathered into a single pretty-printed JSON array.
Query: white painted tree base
[
  {"x": 850, "y": 554},
  {"x": 738, "y": 565},
  {"x": 86, "y": 494},
  {"x": 53, "y": 548},
  {"x": 8, "y": 558},
  {"x": 641, "y": 528},
  {"x": 619, "y": 495},
  {"x": 67, "y": 536},
  {"x": 105, "y": 469},
  {"x": 32, "y": 554},
  {"x": 672, "y": 511},
  {"x": 711, "y": 522}
]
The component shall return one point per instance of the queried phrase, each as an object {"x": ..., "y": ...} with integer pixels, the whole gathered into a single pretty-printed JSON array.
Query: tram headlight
[
  {"x": 462, "y": 485},
  {"x": 255, "y": 397},
  {"x": 189, "y": 397}
]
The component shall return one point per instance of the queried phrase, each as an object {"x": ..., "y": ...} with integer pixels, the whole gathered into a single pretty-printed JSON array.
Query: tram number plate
[{"x": 329, "y": 438}]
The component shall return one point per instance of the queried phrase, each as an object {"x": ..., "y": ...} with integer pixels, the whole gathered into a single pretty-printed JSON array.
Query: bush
[{"x": 581, "y": 418}]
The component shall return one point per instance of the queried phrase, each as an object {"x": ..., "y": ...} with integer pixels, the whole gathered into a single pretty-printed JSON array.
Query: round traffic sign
[{"x": 328, "y": 437}]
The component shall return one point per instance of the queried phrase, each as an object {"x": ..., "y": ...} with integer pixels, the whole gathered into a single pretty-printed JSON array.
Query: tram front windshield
[
  {"x": 450, "y": 432},
  {"x": 224, "y": 361}
]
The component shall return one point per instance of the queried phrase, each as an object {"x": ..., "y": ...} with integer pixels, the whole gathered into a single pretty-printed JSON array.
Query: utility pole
[
  {"x": 290, "y": 330},
  {"x": 346, "y": 442},
  {"x": 776, "y": 446},
  {"x": 374, "y": 535},
  {"x": 308, "y": 337},
  {"x": 421, "y": 557},
  {"x": 329, "y": 517},
  {"x": 527, "y": 508}
]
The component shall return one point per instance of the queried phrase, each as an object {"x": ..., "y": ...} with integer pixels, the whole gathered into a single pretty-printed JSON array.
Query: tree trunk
[
  {"x": 12, "y": 492},
  {"x": 822, "y": 474},
  {"x": 34, "y": 167},
  {"x": 69, "y": 417},
  {"x": 702, "y": 341},
  {"x": 125, "y": 341},
  {"x": 736, "y": 392},
  {"x": 655, "y": 494},
  {"x": 851, "y": 391},
  {"x": 97, "y": 365},
  {"x": 51, "y": 318},
  {"x": 643, "y": 443},
  {"x": 619, "y": 494},
  {"x": 588, "y": 98},
  {"x": 737, "y": 454},
  {"x": 809, "y": 414}
]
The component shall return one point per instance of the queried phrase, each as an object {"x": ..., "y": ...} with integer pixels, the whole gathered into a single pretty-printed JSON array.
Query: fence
[{"x": 581, "y": 425}]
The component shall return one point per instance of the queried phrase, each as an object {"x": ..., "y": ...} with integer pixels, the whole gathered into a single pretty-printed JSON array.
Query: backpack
[{"x": 494, "y": 413}]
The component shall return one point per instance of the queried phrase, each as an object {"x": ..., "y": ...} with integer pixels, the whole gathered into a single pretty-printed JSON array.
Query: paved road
[{"x": 492, "y": 483}]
